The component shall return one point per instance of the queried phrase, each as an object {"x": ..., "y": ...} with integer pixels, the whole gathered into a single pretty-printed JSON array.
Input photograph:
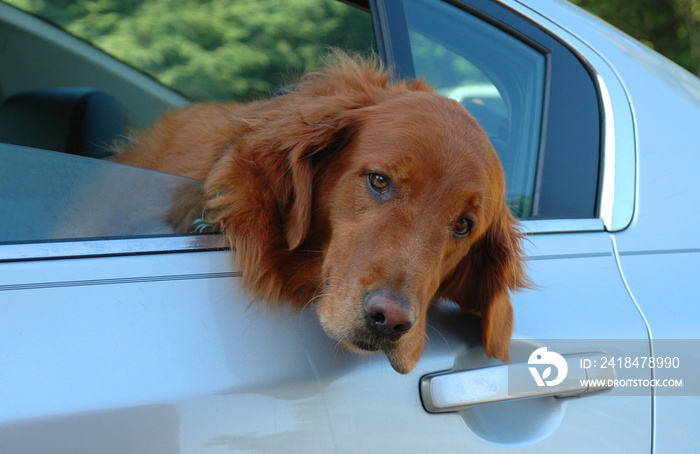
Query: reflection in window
[
  {"x": 46, "y": 195},
  {"x": 224, "y": 50},
  {"x": 499, "y": 79}
]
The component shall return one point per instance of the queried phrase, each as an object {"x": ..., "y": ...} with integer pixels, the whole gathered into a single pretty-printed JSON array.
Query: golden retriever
[{"x": 369, "y": 197}]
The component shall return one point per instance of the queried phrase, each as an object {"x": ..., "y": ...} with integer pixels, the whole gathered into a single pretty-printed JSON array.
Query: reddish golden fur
[{"x": 286, "y": 181}]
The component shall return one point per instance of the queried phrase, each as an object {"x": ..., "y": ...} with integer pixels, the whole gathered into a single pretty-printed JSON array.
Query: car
[{"x": 118, "y": 336}]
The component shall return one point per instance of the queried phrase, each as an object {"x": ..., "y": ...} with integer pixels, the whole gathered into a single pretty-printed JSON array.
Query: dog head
[
  {"x": 416, "y": 207},
  {"x": 395, "y": 199}
]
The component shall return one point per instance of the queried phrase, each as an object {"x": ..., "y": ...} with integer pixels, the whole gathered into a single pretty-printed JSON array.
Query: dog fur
[{"x": 368, "y": 197}]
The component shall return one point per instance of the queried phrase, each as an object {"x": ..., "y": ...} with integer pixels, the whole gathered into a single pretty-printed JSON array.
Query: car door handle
[{"x": 450, "y": 391}]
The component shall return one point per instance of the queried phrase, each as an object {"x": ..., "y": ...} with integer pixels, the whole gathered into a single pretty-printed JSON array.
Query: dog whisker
[{"x": 428, "y": 340}]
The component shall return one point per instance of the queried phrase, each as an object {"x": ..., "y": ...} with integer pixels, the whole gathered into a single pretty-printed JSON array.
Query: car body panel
[{"x": 171, "y": 342}]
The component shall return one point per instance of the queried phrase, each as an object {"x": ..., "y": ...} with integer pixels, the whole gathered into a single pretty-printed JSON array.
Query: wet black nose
[{"x": 388, "y": 314}]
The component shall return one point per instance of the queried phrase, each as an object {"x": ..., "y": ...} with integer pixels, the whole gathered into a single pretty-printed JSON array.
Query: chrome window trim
[
  {"x": 109, "y": 247},
  {"x": 607, "y": 191},
  {"x": 618, "y": 175}
]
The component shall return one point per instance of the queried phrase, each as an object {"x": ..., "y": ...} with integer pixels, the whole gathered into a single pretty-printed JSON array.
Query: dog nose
[{"x": 387, "y": 314}]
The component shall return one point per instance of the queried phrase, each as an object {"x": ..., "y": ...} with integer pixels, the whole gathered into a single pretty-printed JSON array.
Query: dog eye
[
  {"x": 379, "y": 183},
  {"x": 463, "y": 226}
]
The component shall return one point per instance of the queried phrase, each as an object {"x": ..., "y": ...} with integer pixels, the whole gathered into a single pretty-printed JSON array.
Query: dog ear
[
  {"x": 313, "y": 140},
  {"x": 482, "y": 281},
  {"x": 264, "y": 205}
]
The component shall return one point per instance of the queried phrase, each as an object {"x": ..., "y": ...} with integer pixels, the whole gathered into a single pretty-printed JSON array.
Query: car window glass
[
  {"x": 46, "y": 195},
  {"x": 498, "y": 78},
  {"x": 224, "y": 50}
]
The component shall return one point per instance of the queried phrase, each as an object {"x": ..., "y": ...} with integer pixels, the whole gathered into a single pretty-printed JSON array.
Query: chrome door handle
[{"x": 455, "y": 390}]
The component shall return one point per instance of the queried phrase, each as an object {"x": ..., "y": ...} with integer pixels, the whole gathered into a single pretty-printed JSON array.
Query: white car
[{"x": 117, "y": 336}]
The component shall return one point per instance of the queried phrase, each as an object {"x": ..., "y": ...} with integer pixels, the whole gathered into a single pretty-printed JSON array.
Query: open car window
[{"x": 67, "y": 102}]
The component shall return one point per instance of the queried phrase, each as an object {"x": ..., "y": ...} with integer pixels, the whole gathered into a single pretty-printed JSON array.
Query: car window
[
  {"x": 498, "y": 78},
  {"x": 533, "y": 97},
  {"x": 225, "y": 50}
]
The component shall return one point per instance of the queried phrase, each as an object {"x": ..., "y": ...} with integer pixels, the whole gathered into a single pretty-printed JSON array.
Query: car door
[
  {"x": 107, "y": 346},
  {"x": 111, "y": 342},
  {"x": 560, "y": 121}
]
